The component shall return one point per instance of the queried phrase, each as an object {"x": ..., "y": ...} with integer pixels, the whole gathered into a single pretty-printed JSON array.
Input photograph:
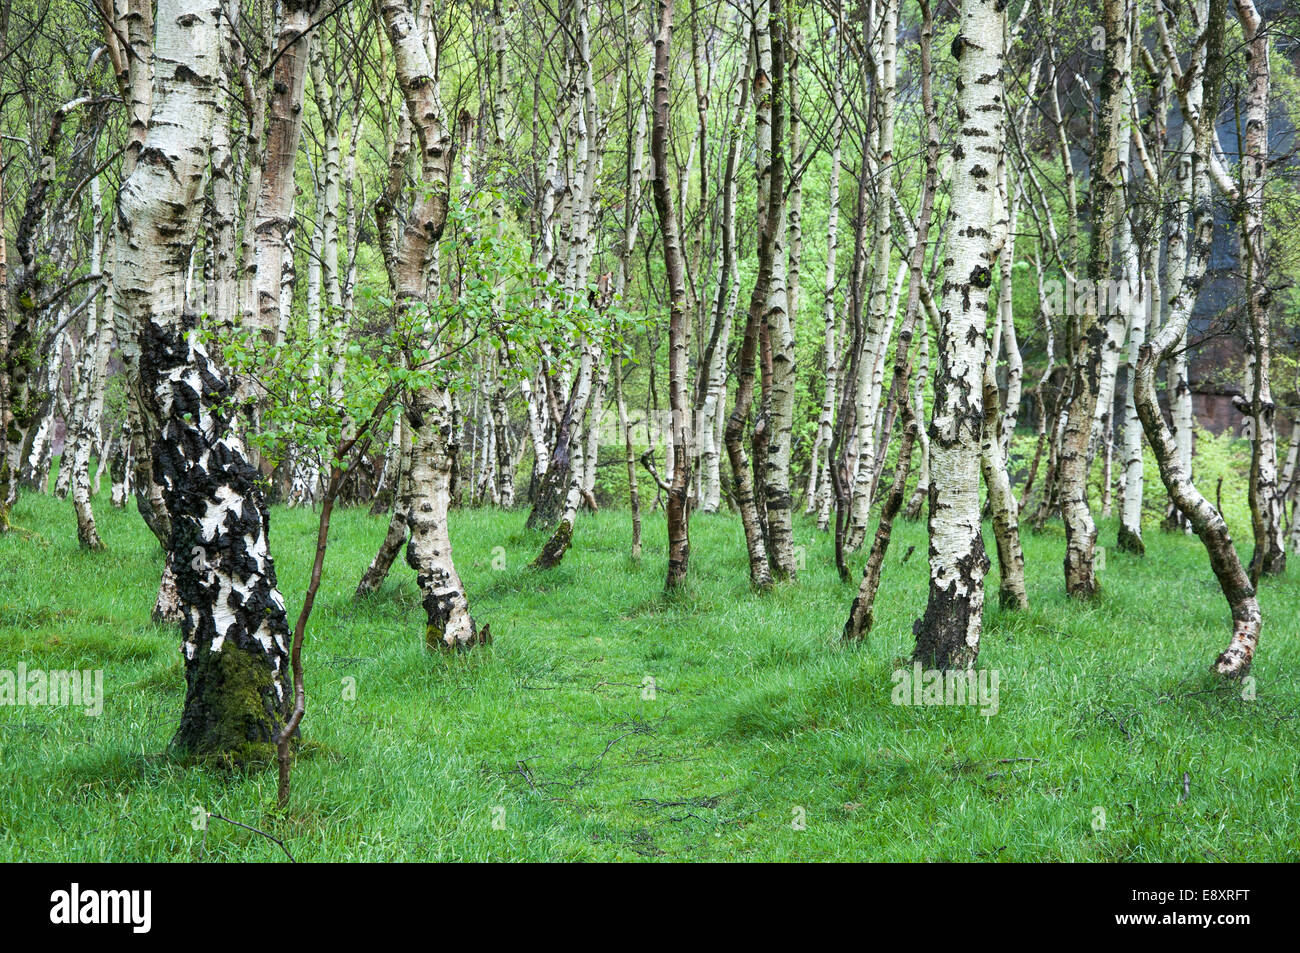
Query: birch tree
[
  {"x": 948, "y": 634},
  {"x": 428, "y": 407},
  {"x": 1088, "y": 333},
  {"x": 1269, "y": 556},
  {"x": 233, "y": 620},
  {"x": 679, "y": 543},
  {"x": 778, "y": 501},
  {"x": 1207, "y": 522}
]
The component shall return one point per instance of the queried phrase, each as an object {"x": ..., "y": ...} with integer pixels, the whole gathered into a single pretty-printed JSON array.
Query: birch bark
[
  {"x": 232, "y": 615},
  {"x": 948, "y": 634}
]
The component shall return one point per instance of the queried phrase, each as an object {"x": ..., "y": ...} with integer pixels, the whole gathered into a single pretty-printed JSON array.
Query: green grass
[{"x": 759, "y": 712}]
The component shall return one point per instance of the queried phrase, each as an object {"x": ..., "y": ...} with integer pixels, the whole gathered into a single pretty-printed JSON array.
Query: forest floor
[{"x": 764, "y": 738}]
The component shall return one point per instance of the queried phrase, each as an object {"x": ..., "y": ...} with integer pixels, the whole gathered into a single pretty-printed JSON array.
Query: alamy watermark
[
  {"x": 918, "y": 686},
  {"x": 60, "y": 688},
  {"x": 75, "y": 905},
  {"x": 1084, "y": 296}
]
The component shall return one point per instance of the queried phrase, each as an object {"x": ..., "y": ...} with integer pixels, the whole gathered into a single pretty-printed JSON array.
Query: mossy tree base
[
  {"x": 232, "y": 712},
  {"x": 1130, "y": 542},
  {"x": 552, "y": 553}
]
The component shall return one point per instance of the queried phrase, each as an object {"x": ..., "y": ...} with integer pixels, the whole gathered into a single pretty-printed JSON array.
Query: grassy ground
[{"x": 543, "y": 746}]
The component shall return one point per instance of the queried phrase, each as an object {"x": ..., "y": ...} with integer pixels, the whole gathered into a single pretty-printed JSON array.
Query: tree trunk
[
  {"x": 1206, "y": 521},
  {"x": 98, "y": 344},
  {"x": 767, "y": 103},
  {"x": 879, "y": 317},
  {"x": 275, "y": 217},
  {"x": 712, "y": 416},
  {"x": 778, "y": 500},
  {"x": 1269, "y": 556},
  {"x": 1002, "y": 502},
  {"x": 428, "y": 408},
  {"x": 678, "y": 508},
  {"x": 1089, "y": 333},
  {"x": 232, "y": 615},
  {"x": 396, "y": 535},
  {"x": 948, "y": 635},
  {"x": 634, "y": 498},
  {"x": 860, "y": 612},
  {"x": 819, "y": 475}
]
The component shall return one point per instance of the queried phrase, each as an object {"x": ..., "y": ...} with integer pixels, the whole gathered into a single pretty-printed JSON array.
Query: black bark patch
[
  {"x": 232, "y": 708},
  {"x": 184, "y": 74},
  {"x": 941, "y": 631}
]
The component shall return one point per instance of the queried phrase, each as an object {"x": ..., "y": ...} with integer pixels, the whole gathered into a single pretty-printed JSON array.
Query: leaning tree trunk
[
  {"x": 569, "y": 462},
  {"x": 767, "y": 109},
  {"x": 1206, "y": 521},
  {"x": 900, "y": 400},
  {"x": 948, "y": 634},
  {"x": 396, "y": 535},
  {"x": 232, "y": 615}
]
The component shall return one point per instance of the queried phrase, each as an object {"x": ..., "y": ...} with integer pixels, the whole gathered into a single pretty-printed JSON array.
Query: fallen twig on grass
[{"x": 247, "y": 827}]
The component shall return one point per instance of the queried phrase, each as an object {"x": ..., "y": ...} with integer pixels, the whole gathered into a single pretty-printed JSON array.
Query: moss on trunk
[{"x": 231, "y": 713}]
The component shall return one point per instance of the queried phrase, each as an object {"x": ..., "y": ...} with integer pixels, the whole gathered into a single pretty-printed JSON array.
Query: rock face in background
[
  {"x": 1217, "y": 362},
  {"x": 1216, "y": 366}
]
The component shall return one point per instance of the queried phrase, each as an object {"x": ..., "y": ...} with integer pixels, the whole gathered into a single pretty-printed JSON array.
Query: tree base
[
  {"x": 552, "y": 553},
  {"x": 1130, "y": 542},
  {"x": 1012, "y": 599},
  {"x": 433, "y": 638},
  {"x": 1272, "y": 563},
  {"x": 941, "y": 634},
  {"x": 232, "y": 714}
]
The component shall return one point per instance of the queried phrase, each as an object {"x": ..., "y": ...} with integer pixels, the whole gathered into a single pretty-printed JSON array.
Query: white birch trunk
[
  {"x": 819, "y": 470},
  {"x": 232, "y": 615},
  {"x": 948, "y": 635}
]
